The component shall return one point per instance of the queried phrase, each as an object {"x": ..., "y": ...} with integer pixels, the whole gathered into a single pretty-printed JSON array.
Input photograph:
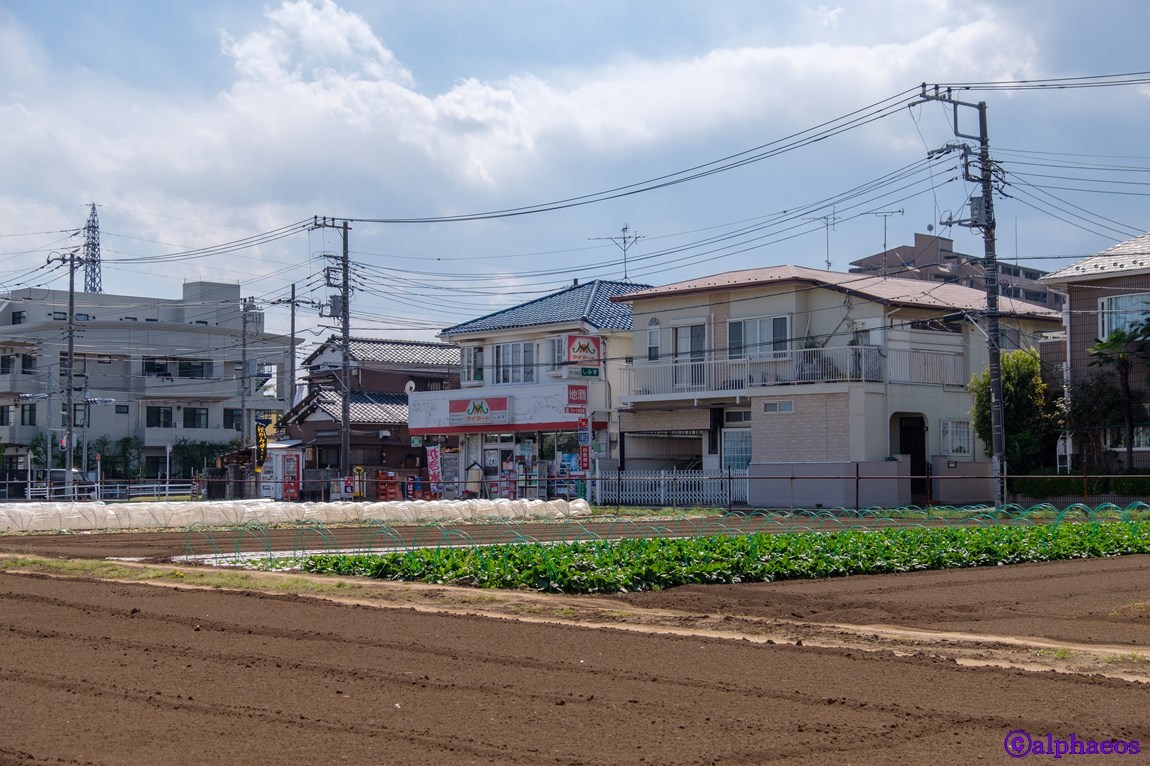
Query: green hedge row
[
  {"x": 604, "y": 566},
  {"x": 1071, "y": 485}
]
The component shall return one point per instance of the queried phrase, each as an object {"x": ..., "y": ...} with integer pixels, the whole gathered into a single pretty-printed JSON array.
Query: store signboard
[
  {"x": 576, "y": 395},
  {"x": 492, "y": 410},
  {"x": 584, "y": 355},
  {"x": 584, "y": 457}
]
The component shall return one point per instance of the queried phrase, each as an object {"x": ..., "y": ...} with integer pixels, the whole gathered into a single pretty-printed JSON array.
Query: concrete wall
[{"x": 829, "y": 485}]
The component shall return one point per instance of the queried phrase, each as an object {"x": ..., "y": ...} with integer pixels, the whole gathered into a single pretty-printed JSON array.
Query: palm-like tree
[{"x": 1119, "y": 350}]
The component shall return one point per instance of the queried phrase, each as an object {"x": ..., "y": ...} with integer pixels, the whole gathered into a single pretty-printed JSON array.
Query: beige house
[{"x": 827, "y": 388}]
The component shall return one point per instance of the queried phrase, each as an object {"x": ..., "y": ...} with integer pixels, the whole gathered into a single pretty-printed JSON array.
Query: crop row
[{"x": 607, "y": 566}]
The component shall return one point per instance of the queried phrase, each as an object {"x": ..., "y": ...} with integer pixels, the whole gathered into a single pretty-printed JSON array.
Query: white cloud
[{"x": 823, "y": 16}]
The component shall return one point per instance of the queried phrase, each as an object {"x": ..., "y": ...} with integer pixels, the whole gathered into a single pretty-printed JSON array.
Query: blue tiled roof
[{"x": 589, "y": 302}]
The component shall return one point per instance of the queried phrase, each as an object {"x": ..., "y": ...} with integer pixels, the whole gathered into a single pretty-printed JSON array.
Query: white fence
[{"x": 671, "y": 489}]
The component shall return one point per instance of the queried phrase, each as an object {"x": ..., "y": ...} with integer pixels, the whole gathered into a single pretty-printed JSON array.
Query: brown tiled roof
[{"x": 887, "y": 290}]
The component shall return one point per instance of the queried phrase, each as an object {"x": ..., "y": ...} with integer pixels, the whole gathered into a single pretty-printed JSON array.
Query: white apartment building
[{"x": 150, "y": 369}]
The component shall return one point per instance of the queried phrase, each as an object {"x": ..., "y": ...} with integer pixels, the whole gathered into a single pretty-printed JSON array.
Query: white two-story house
[
  {"x": 538, "y": 383},
  {"x": 827, "y": 389}
]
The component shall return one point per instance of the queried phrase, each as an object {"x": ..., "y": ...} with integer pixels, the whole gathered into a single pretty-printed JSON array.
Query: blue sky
[{"x": 192, "y": 125}]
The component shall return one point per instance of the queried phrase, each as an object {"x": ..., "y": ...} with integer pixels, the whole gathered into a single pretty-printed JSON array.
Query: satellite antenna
[{"x": 409, "y": 387}]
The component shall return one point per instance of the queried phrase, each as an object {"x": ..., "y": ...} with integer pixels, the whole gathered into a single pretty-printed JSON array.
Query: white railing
[
  {"x": 671, "y": 489},
  {"x": 940, "y": 368},
  {"x": 808, "y": 365}
]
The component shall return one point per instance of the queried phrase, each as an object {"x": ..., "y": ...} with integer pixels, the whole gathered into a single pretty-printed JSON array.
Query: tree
[
  {"x": 1119, "y": 350},
  {"x": 1028, "y": 413},
  {"x": 1088, "y": 410}
]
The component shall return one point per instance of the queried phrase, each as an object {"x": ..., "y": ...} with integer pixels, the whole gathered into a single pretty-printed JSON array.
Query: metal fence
[{"x": 674, "y": 489}]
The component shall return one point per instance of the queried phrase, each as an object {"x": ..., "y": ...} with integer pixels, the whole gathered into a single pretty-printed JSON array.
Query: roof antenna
[{"x": 624, "y": 243}]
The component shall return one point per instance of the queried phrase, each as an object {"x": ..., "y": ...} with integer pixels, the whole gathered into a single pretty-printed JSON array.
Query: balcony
[
  {"x": 19, "y": 435},
  {"x": 749, "y": 377},
  {"x": 169, "y": 386},
  {"x": 159, "y": 437}
]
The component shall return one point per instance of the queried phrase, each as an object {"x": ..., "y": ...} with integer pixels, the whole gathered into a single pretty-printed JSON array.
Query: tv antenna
[{"x": 624, "y": 243}]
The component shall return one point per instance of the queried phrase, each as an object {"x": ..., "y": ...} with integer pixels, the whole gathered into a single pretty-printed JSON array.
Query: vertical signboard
[{"x": 584, "y": 356}]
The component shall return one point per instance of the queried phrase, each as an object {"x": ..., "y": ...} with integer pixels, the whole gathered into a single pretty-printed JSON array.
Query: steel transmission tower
[{"x": 92, "y": 254}]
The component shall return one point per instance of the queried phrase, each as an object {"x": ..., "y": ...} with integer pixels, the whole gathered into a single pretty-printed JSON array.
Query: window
[
  {"x": 234, "y": 419},
  {"x": 83, "y": 317},
  {"x": 750, "y": 338},
  {"x": 6, "y": 364},
  {"x": 653, "y": 336},
  {"x": 471, "y": 364},
  {"x": 59, "y": 316},
  {"x": 79, "y": 364},
  {"x": 193, "y": 368},
  {"x": 554, "y": 349},
  {"x": 156, "y": 367},
  {"x": 515, "y": 362},
  {"x": 734, "y": 417},
  {"x": 19, "y": 317},
  {"x": 121, "y": 409},
  {"x": 736, "y": 448},
  {"x": 27, "y": 414},
  {"x": 1121, "y": 312},
  {"x": 778, "y": 406},
  {"x": 27, "y": 363},
  {"x": 955, "y": 436},
  {"x": 690, "y": 350},
  {"x": 195, "y": 417},
  {"x": 79, "y": 414},
  {"x": 159, "y": 417},
  {"x": 6, "y": 413}
]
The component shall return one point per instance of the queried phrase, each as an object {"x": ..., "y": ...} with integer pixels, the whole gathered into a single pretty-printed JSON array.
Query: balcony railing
[{"x": 844, "y": 364}]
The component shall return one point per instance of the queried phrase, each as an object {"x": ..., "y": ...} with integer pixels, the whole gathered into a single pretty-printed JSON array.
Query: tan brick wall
[
  {"x": 665, "y": 420},
  {"x": 818, "y": 430}
]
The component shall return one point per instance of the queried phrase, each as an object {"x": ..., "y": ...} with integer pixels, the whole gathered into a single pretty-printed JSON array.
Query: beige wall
[{"x": 817, "y": 430}]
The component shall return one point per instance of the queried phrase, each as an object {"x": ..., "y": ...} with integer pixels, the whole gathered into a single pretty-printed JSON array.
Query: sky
[{"x": 724, "y": 134}]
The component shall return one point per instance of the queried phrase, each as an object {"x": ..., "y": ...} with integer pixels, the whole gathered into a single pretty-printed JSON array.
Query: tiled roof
[
  {"x": 589, "y": 303},
  {"x": 888, "y": 290},
  {"x": 365, "y": 407},
  {"x": 405, "y": 352},
  {"x": 1130, "y": 257}
]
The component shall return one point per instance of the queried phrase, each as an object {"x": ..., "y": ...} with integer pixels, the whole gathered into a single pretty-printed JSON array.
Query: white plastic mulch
[{"x": 48, "y": 517}]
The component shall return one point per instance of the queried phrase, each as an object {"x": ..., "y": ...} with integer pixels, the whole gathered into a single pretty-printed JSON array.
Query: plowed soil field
[{"x": 160, "y": 662}]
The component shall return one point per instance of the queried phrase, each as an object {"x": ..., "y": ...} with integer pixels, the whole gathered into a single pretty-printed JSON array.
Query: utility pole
[
  {"x": 244, "y": 308},
  {"x": 294, "y": 303},
  {"x": 982, "y": 217},
  {"x": 344, "y": 287},
  {"x": 624, "y": 243},
  {"x": 69, "y": 366}
]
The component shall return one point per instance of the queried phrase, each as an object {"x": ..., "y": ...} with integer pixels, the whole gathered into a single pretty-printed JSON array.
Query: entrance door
[
  {"x": 690, "y": 350},
  {"x": 912, "y": 441}
]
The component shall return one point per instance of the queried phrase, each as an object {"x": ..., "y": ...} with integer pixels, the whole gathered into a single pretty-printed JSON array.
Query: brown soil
[{"x": 928, "y": 668}]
